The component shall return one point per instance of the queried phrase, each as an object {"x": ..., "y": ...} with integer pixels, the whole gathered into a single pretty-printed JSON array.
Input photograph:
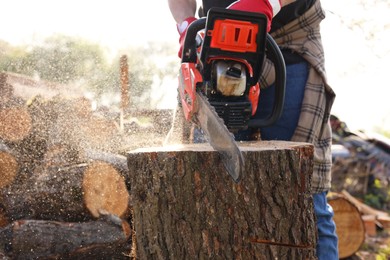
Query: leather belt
[{"x": 291, "y": 57}]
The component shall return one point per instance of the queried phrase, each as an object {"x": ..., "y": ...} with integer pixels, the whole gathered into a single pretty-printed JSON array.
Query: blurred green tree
[{"x": 73, "y": 60}]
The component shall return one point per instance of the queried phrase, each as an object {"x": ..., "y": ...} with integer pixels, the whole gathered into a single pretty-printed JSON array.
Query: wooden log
[
  {"x": 58, "y": 134},
  {"x": 106, "y": 238},
  {"x": 104, "y": 189},
  {"x": 117, "y": 160},
  {"x": 382, "y": 218},
  {"x": 349, "y": 226},
  {"x": 9, "y": 166},
  {"x": 363, "y": 208},
  {"x": 4, "y": 221},
  {"x": 15, "y": 123},
  {"x": 369, "y": 225},
  {"x": 74, "y": 193},
  {"x": 32, "y": 146},
  {"x": 185, "y": 206}
]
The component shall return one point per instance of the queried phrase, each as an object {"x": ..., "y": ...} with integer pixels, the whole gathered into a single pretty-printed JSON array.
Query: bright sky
[
  {"x": 115, "y": 23},
  {"x": 357, "y": 68}
]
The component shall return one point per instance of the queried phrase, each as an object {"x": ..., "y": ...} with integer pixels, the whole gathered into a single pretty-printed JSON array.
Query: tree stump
[{"x": 186, "y": 206}]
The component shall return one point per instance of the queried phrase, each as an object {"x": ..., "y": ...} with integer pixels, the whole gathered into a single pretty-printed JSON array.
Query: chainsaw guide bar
[{"x": 219, "y": 137}]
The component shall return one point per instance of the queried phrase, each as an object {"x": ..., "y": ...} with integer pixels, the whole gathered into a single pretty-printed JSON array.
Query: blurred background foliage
[{"x": 75, "y": 61}]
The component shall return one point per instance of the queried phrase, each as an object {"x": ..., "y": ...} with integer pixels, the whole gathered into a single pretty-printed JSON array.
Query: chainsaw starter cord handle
[{"x": 275, "y": 55}]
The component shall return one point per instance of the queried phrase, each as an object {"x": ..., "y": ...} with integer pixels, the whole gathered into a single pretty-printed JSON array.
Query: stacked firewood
[
  {"x": 63, "y": 190},
  {"x": 361, "y": 170},
  {"x": 355, "y": 222}
]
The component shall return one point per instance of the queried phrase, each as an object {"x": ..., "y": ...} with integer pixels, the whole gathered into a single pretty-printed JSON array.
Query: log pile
[
  {"x": 360, "y": 177},
  {"x": 104, "y": 238},
  {"x": 359, "y": 161},
  {"x": 355, "y": 221},
  {"x": 65, "y": 189},
  {"x": 63, "y": 192}
]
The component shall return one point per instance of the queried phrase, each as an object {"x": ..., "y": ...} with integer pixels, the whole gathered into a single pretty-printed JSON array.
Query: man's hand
[
  {"x": 182, "y": 29},
  {"x": 268, "y": 7}
]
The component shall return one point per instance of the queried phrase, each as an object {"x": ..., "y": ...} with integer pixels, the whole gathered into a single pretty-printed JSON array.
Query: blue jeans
[
  {"x": 327, "y": 247},
  {"x": 296, "y": 76}
]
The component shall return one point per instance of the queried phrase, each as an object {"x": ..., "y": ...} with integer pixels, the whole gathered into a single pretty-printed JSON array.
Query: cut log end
[
  {"x": 8, "y": 168},
  {"x": 15, "y": 124},
  {"x": 350, "y": 226},
  {"x": 104, "y": 190}
]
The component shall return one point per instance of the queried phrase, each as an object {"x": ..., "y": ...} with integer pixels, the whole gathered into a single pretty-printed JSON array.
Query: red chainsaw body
[
  {"x": 189, "y": 78},
  {"x": 222, "y": 59},
  {"x": 221, "y": 64}
]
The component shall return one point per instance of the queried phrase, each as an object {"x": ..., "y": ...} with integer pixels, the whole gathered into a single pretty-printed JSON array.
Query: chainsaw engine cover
[{"x": 236, "y": 36}]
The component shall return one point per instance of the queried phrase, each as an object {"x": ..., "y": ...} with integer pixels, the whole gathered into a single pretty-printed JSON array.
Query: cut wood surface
[
  {"x": 15, "y": 123},
  {"x": 185, "y": 205},
  {"x": 106, "y": 238},
  {"x": 9, "y": 166},
  {"x": 104, "y": 189},
  {"x": 349, "y": 226},
  {"x": 72, "y": 193}
]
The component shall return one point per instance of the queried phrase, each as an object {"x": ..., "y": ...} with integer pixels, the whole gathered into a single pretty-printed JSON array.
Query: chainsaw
[{"x": 221, "y": 64}]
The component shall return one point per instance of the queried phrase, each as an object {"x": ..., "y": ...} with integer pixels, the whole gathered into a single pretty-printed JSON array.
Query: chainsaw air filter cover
[{"x": 229, "y": 77}]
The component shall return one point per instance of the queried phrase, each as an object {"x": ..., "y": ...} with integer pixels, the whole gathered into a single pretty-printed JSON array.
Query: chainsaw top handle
[
  {"x": 275, "y": 55},
  {"x": 189, "y": 49},
  {"x": 266, "y": 46}
]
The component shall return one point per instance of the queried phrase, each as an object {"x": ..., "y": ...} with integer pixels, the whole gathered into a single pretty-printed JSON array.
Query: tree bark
[
  {"x": 185, "y": 206},
  {"x": 106, "y": 238},
  {"x": 73, "y": 193},
  {"x": 3, "y": 219}
]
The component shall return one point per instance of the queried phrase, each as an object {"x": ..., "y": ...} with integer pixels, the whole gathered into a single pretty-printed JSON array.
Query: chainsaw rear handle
[{"x": 274, "y": 54}]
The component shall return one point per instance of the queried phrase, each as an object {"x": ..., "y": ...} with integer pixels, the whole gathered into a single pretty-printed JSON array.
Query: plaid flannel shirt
[{"x": 303, "y": 37}]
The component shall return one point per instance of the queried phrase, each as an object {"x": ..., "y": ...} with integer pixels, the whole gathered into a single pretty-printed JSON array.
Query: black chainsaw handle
[
  {"x": 189, "y": 48},
  {"x": 275, "y": 55}
]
